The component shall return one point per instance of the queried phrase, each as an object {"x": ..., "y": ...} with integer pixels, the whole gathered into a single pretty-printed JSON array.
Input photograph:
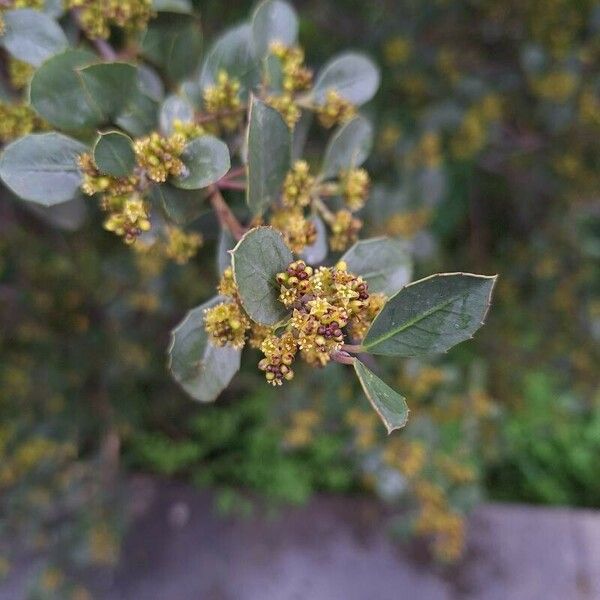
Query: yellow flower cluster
[
  {"x": 98, "y": 16},
  {"x": 222, "y": 101},
  {"x": 128, "y": 216},
  {"x": 344, "y": 230},
  {"x": 128, "y": 212},
  {"x": 437, "y": 520},
  {"x": 18, "y": 119},
  {"x": 160, "y": 156},
  {"x": 188, "y": 129},
  {"x": 354, "y": 184},
  {"x": 298, "y": 185},
  {"x": 407, "y": 456},
  {"x": 227, "y": 322},
  {"x": 335, "y": 110},
  {"x": 19, "y": 73},
  {"x": 181, "y": 246},
  {"x": 296, "y": 78},
  {"x": 297, "y": 230}
]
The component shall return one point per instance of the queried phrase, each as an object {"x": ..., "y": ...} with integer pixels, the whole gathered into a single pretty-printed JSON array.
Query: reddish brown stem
[
  {"x": 231, "y": 185},
  {"x": 226, "y": 218},
  {"x": 219, "y": 115},
  {"x": 354, "y": 348},
  {"x": 342, "y": 357}
]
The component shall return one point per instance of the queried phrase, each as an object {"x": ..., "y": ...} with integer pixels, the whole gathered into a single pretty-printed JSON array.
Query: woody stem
[
  {"x": 342, "y": 357},
  {"x": 225, "y": 216},
  {"x": 354, "y": 348}
]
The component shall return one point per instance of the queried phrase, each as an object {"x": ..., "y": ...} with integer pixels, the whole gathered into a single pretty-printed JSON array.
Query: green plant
[{"x": 236, "y": 122}]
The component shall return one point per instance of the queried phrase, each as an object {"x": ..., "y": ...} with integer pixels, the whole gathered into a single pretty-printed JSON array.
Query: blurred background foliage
[{"x": 487, "y": 160}]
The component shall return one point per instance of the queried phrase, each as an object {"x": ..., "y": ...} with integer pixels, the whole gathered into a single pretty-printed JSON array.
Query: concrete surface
[{"x": 339, "y": 548}]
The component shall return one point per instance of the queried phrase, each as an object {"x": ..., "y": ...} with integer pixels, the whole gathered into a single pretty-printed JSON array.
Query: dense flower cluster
[
  {"x": 222, "y": 101},
  {"x": 335, "y": 110},
  {"x": 295, "y": 77},
  {"x": 18, "y": 119},
  {"x": 98, "y": 16},
  {"x": 160, "y": 156},
  {"x": 181, "y": 246}
]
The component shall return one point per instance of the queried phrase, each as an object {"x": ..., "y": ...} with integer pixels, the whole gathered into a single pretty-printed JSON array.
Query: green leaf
[
  {"x": 352, "y": 75},
  {"x": 431, "y": 315},
  {"x": 109, "y": 85},
  {"x": 139, "y": 115},
  {"x": 256, "y": 260},
  {"x": 173, "y": 41},
  {"x": 202, "y": 369},
  {"x": 206, "y": 159},
  {"x": 233, "y": 53},
  {"x": 273, "y": 20},
  {"x": 225, "y": 244},
  {"x": 389, "y": 404},
  {"x": 175, "y": 6},
  {"x": 72, "y": 94},
  {"x": 68, "y": 216},
  {"x": 113, "y": 153},
  {"x": 269, "y": 156},
  {"x": 42, "y": 167},
  {"x": 175, "y": 108},
  {"x": 57, "y": 92},
  {"x": 348, "y": 147},
  {"x": 180, "y": 206},
  {"x": 383, "y": 262},
  {"x": 316, "y": 252},
  {"x": 32, "y": 36}
]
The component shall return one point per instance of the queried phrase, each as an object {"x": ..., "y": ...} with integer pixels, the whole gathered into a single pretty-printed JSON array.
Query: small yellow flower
[
  {"x": 335, "y": 110},
  {"x": 227, "y": 324},
  {"x": 298, "y": 185},
  {"x": 160, "y": 156},
  {"x": 297, "y": 230},
  {"x": 181, "y": 246},
  {"x": 355, "y": 185},
  {"x": 223, "y": 101},
  {"x": 344, "y": 229}
]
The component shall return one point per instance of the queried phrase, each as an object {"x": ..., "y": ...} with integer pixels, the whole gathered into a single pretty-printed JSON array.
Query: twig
[
  {"x": 231, "y": 185},
  {"x": 219, "y": 115},
  {"x": 342, "y": 357},
  {"x": 226, "y": 218},
  {"x": 354, "y": 348}
]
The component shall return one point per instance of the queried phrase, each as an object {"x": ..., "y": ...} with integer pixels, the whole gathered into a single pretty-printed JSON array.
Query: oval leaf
[
  {"x": 389, "y": 404},
  {"x": 42, "y": 167},
  {"x": 180, "y": 206},
  {"x": 206, "y": 159},
  {"x": 256, "y": 260},
  {"x": 202, "y": 369},
  {"x": 175, "y": 108},
  {"x": 348, "y": 147},
  {"x": 383, "y": 262},
  {"x": 316, "y": 252},
  {"x": 173, "y": 41},
  {"x": 273, "y": 20},
  {"x": 269, "y": 156},
  {"x": 224, "y": 246},
  {"x": 431, "y": 315},
  {"x": 32, "y": 36},
  {"x": 57, "y": 92},
  {"x": 233, "y": 53},
  {"x": 113, "y": 154},
  {"x": 353, "y": 75},
  {"x": 109, "y": 85}
]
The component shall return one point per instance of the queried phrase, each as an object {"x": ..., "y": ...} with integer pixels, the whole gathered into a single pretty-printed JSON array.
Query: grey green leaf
[
  {"x": 269, "y": 156},
  {"x": 42, "y": 167},
  {"x": 431, "y": 315},
  {"x": 273, "y": 20},
  {"x": 385, "y": 263},
  {"x": 113, "y": 153},
  {"x": 354, "y": 76},
  {"x": 32, "y": 36},
  {"x": 256, "y": 260},
  {"x": 348, "y": 147},
  {"x": 202, "y": 369},
  {"x": 206, "y": 159},
  {"x": 389, "y": 404}
]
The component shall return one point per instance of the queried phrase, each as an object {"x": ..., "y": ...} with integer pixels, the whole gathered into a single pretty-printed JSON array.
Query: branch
[
  {"x": 231, "y": 185},
  {"x": 226, "y": 218},
  {"x": 354, "y": 348},
  {"x": 342, "y": 357}
]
